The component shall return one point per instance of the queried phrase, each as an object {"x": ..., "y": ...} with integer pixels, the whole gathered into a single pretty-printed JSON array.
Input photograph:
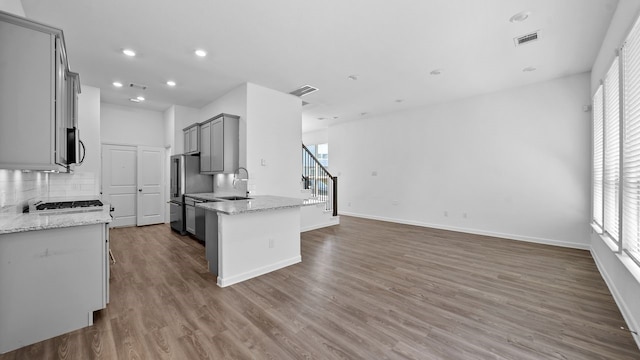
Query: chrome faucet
[{"x": 236, "y": 178}]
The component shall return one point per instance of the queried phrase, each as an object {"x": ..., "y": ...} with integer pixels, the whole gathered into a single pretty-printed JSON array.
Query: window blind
[
  {"x": 598, "y": 156},
  {"x": 612, "y": 152},
  {"x": 631, "y": 145}
]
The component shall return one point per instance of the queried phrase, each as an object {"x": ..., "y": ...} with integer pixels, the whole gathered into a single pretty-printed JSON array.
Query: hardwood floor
[{"x": 364, "y": 290}]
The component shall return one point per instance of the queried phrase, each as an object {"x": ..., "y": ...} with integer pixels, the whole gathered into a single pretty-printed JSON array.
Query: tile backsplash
[
  {"x": 223, "y": 183},
  {"x": 17, "y": 187}
]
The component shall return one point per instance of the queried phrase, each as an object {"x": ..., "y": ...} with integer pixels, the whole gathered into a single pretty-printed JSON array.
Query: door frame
[{"x": 167, "y": 155}]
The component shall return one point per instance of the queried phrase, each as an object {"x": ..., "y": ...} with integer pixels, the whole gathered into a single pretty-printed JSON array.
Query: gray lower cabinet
[
  {"x": 219, "y": 144},
  {"x": 211, "y": 242},
  {"x": 190, "y": 215},
  {"x": 51, "y": 282}
]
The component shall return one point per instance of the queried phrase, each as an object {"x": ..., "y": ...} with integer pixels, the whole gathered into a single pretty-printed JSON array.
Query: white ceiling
[{"x": 392, "y": 46}]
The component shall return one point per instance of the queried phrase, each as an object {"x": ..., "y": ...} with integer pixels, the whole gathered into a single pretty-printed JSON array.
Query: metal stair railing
[{"x": 319, "y": 181}]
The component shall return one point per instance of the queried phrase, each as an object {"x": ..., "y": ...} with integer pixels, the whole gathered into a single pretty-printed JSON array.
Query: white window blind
[
  {"x": 612, "y": 152},
  {"x": 598, "y": 156},
  {"x": 631, "y": 145}
]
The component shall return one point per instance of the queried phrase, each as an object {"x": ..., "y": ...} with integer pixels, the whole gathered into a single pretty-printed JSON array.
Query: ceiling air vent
[
  {"x": 303, "y": 90},
  {"x": 525, "y": 39},
  {"x": 138, "y": 86}
]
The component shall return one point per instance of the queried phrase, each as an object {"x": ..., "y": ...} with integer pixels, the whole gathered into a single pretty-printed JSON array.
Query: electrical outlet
[
  {"x": 263, "y": 162},
  {"x": 349, "y": 204},
  {"x": 464, "y": 215},
  {"x": 374, "y": 173},
  {"x": 272, "y": 243},
  {"x": 446, "y": 213}
]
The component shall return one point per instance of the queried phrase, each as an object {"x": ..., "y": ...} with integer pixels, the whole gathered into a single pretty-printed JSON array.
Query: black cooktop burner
[
  {"x": 86, "y": 203},
  {"x": 68, "y": 204}
]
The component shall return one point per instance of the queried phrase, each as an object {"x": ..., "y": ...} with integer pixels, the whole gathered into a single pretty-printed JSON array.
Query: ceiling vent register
[
  {"x": 303, "y": 90},
  {"x": 528, "y": 38},
  {"x": 138, "y": 86}
]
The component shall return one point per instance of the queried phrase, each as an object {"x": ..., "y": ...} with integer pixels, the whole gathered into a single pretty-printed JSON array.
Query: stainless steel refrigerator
[{"x": 185, "y": 179}]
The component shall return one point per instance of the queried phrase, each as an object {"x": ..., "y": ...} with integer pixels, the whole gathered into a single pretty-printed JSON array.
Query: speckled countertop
[
  {"x": 256, "y": 203},
  {"x": 19, "y": 222}
]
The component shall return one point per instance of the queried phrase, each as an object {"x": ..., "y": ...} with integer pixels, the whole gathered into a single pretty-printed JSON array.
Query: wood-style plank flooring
[{"x": 364, "y": 290}]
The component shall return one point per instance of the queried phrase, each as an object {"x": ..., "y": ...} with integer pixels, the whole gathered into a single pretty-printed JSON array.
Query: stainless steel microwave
[{"x": 75, "y": 147}]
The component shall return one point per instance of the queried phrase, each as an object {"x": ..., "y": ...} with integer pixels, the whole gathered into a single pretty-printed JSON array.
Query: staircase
[{"x": 318, "y": 184}]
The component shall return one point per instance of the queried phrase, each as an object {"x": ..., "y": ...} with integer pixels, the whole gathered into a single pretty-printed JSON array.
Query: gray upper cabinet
[
  {"x": 219, "y": 144},
  {"x": 192, "y": 139},
  {"x": 38, "y": 96}
]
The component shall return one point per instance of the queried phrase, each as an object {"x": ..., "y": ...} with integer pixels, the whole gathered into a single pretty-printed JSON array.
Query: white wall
[
  {"x": 131, "y": 126},
  {"x": 89, "y": 125},
  {"x": 274, "y": 141},
  {"x": 316, "y": 137},
  {"x": 270, "y": 130},
  {"x": 509, "y": 164},
  {"x": 617, "y": 269},
  {"x": 170, "y": 129},
  {"x": 170, "y": 133},
  {"x": 234, "y": 103},
  {"x": 12, "y": 6}
]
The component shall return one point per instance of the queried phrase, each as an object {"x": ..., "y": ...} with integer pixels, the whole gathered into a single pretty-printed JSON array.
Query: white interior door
[
  {"x": 150, "y": 185},
  {"x": 119, "y": 182}
]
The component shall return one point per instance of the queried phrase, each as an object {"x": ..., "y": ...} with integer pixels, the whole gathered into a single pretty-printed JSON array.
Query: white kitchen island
[{"x": 248, "y": 238}]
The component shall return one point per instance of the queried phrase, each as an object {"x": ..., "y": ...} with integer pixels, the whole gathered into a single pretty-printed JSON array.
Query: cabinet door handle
[{"x": 140, "y": 190}]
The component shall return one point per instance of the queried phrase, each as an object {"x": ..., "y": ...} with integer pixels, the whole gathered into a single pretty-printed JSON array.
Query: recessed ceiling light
[
  {"x": 364, "y": 113},
  {"x": 134, "y": 100},
  {"x": 399, "y": 100},
  {"x": 520, "y": 17},
  {"x": 129, "y": 52},
  {"x": 529, "y": 69},
  {"x": 201, "y": 53},
  {"x": 322, "y": 118},
  {"x": 140, "y": 98},
  {"x": 171, "y": 83},
  {"x": 117, "y": 84},
  {"x": 352, "y": 77},
  {"x": 436, "y": 72}
]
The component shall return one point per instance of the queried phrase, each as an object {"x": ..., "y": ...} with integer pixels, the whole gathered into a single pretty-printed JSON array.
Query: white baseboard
[
  {"x": 230, "y": 280},
  {"x": 335, "y": 220},
  {"x": 617, "y": 297},
  {"x": 476, "y": 232}
]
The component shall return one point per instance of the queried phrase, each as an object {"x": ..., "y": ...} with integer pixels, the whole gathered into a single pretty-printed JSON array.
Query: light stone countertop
[
  {"x": 255, "y": 203},
  {"x": 19, "y": 222}
]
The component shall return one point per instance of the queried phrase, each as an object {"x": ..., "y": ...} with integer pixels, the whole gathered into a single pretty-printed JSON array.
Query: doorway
[{"x": 133, "y": 183}]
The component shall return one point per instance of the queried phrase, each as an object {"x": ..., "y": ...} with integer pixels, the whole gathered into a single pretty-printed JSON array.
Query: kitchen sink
[{"x": 234, "y": 198}]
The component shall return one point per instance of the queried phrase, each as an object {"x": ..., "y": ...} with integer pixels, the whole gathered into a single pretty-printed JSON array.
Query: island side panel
[
  {"x": 257, "y": 243},
  {"x": 51, "y": 281},
  {"x": 211, "y": 241}
]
